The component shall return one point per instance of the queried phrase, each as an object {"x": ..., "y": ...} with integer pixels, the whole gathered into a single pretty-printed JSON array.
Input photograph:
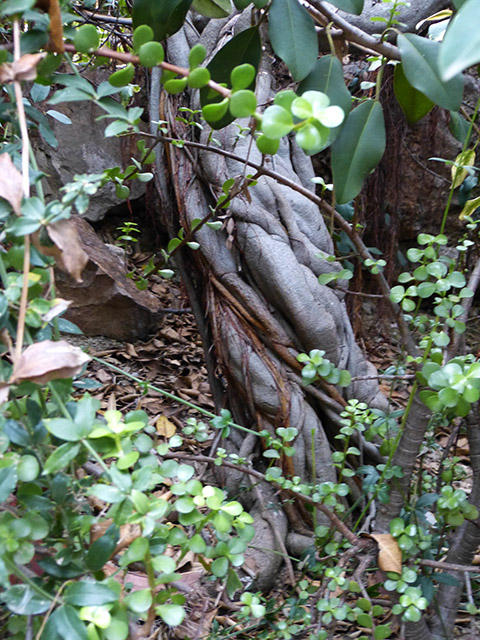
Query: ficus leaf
[
  {"x": 358, "y": 149},
  {"x": 414, "y": 104},
  {"x": 293, "y": 36},
  {"x": 165, "y": 17},
  {"x": 460, "y": 48},
  {"x": 420, "y": 59}
]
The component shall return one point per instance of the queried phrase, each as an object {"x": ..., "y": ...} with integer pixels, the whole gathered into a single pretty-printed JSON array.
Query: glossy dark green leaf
[
  {"x": 415, "y": 105},
  {"x": 61, "y": 457},
  {"x": 101, "y": 550},
  {"x": 293, "y": 36},
  {"x": 89, "y": 594},
  {"x": 420, "y": 64},
  {"x": 350, "y": 6},
  {"x": 8, "y": 481},
  {"x": 244, "y": 48},
  {"x": 213, "y": 8},
  {"x": 22, "y": 600},
  {"x": 66, "y": 624},
  {"x": 460, "y": 48},
  {"x": 458, "y": 126},
  {"x": 165, "y": 17},
  {"x": 358, "y": 149}
]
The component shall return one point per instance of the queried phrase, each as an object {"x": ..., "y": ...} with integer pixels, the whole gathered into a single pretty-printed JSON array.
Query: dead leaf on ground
[
  {"x": 59, "y": 307},
  {"x": 10, "y": 181},
  {"x": 389, "y": 554},
  {"x": 66, "y": 249},
  {"x": 48, "y": 360},
  {"x": 23, "y": 69},
  {"x": 165, "y": 428}
]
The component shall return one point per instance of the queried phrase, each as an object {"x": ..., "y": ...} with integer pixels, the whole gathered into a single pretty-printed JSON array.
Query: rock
[
  {"x": 82, "y": 149},
  {"x": 106, "y": 302}
]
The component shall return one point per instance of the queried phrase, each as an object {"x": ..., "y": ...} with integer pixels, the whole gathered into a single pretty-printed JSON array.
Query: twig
[
  {"x": 22, "y": 120},
  {"x": 449, "y": 566},
  {"x": 105, "y": 52},
  {"x": 354, "y": 34},
  {"x": 334, "y": 519}
]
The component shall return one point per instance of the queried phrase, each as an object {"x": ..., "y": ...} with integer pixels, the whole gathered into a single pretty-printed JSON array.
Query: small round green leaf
[
  {"x": 141, "y": 35},
  {"x": 267, "y": 145},
  {"x": 276, "y": 122},
  {"x": 243, "y": 104},
  {"x": 215, "y": 112},
  {"x": 198, "y": 78},
  {"x": 28, "y": 468},
  {"x": 171, "y": 614},
  {"x": 196, "y": 56},
  {"x": 86, "y": 38},
  {"x": 123, "y": 76},
  {"x": 177, "y": 85},
  {"x": 242, "y": 76},
  {"x": 151, "y": 54}
]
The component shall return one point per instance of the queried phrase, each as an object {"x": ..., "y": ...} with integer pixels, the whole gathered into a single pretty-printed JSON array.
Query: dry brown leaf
[
  {"x": 10, "y": 182},
  {"x": 48, "y": 360},
  {"x": 165, "y": 428},
  {"x": 389, "y": 553},
  {"x": 66, "y": 249},
  {"x": 23, "y": 69}
]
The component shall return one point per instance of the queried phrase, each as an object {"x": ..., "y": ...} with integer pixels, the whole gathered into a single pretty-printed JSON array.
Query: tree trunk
[{"x": 256, "y": 283}]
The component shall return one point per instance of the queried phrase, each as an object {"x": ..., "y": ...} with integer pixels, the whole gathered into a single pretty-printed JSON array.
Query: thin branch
[
  {"x": 449, "y": 566},
  {"x": 22, "y": 120},
  {"x": 105, "y": 52},
  {"x": 356, "y": 35},
  {"x": 334, "y": 519}
]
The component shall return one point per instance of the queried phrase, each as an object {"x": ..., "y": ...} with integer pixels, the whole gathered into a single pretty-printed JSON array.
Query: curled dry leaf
[
  {"x": 10, "y": 182},
  {"x": 48, "y": 360},
  {"x": 23, "y": 69},
  {"x": 128, "y": 533},
  {"x": 66, "y": 248},
  {"x": 165, "y": 428},
  {"x": 59, "y": 307},
  {"x": 389, "y": 553}
]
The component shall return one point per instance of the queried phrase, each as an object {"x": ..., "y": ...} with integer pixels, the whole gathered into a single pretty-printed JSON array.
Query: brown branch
[
  {"x": 356, "y": 35},
  {"x": 449, "y": 566},
  {"x": 105, "y": 52}
]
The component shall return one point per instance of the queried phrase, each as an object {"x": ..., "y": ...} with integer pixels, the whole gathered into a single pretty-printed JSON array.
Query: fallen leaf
[
  {"x": 23, "y": 69},
  {"x": 48, "y": 360},
  {"x": 59, "y": 307},
  {"x": 10, "y": 182},
  {"x": 66, "y": 249},
  {"x": 4, "y": 391},
  {"x": 165, "y": 428},
  {"x": 389, "y": 554}
]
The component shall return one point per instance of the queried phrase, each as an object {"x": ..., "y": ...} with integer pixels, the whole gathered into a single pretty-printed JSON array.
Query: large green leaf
[
  {"x": 213, "y": 8},
  {"x": 165, "y": 17},
  {"x": 89, "y": 594},
  {"x": 66, "y": 623},
  {"x": 414, "y": 103},
  {"x": 460, "y": 48},
  {"x": 293, "y": 36},
  {"x": 420, "y": 64},
  {"x": 350, "y": 6},
  {"x": 358, "y": 149},
  {"x": 327, "y": 77},
  {"x": 244, "y": 48}
]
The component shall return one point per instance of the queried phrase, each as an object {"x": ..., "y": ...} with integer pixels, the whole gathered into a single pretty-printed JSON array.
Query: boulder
[{"x": 106, "y": 302}]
